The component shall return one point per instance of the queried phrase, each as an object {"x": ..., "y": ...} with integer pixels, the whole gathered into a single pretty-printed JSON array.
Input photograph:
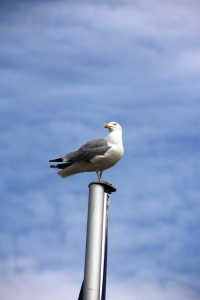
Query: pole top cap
[{"x": 108, "y": 187}]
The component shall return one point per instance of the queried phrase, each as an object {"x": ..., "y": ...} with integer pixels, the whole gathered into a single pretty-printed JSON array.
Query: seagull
[{"x": 94, "y": 156}]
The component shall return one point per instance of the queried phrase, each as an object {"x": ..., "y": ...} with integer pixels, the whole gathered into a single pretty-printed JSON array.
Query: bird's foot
[
  {"x": 99, "y": 175},
  {"x": 106, "y": 182}
]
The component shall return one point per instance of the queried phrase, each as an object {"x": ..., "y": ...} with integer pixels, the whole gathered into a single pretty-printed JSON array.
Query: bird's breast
[{"x": 110, "y": 158}]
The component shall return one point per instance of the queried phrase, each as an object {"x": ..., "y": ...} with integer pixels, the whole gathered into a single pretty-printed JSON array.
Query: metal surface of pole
[
  {"x": 95, "y": 239},
  {"x": 105, "y": 221}
]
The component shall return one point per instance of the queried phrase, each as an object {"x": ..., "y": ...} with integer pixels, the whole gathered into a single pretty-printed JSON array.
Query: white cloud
[
  {"x": 66, "y": 285},
  {"x": 68, "y": 69}
]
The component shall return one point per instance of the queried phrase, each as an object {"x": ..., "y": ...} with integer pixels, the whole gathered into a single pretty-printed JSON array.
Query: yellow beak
[{"x": 107, "y": 126}]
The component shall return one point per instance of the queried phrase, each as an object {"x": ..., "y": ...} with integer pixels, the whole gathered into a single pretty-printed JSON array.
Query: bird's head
[{"x": 113, "y": 126}]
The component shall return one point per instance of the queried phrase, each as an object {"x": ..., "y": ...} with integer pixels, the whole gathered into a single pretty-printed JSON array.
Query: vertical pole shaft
[
  {"x": 93, "y": 256},
  {"x": 105, "y": 215},
  {"x": 94, "y": 284}
]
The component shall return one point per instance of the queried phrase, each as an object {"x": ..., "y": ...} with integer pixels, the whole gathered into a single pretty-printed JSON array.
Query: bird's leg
[{"x": 98, "y": 175}]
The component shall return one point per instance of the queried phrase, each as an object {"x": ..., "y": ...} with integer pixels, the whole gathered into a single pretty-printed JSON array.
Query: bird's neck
[{"x": 114, "y": 137}]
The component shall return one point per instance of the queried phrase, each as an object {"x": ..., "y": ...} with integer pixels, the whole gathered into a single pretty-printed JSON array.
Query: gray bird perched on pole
[{"x": 94, "y": 156}]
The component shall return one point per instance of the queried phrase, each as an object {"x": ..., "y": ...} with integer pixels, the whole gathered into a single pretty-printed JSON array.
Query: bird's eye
[{"x": 114, "y": 123}]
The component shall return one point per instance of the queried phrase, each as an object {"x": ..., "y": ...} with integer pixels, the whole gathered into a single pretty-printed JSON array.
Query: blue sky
[{"x": 67, "y": 68}]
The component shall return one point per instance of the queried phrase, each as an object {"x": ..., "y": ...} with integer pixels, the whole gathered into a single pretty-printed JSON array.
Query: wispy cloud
[{"x": 68, "y": 68}]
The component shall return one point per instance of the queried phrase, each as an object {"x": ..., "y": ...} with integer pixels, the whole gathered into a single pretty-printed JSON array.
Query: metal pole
[
  {"x": 103, "y": 242},
  {"x": 95, "y": 239}
]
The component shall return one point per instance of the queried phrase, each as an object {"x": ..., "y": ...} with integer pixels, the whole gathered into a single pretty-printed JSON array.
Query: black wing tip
[
  {"x": 53, "y": 166},
  {"x": 60, "y": 159},
  {"x": 61, "y": 166}
]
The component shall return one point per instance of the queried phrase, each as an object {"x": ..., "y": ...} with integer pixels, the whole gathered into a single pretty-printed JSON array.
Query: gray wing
[{"x": 88, "y": 151}]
